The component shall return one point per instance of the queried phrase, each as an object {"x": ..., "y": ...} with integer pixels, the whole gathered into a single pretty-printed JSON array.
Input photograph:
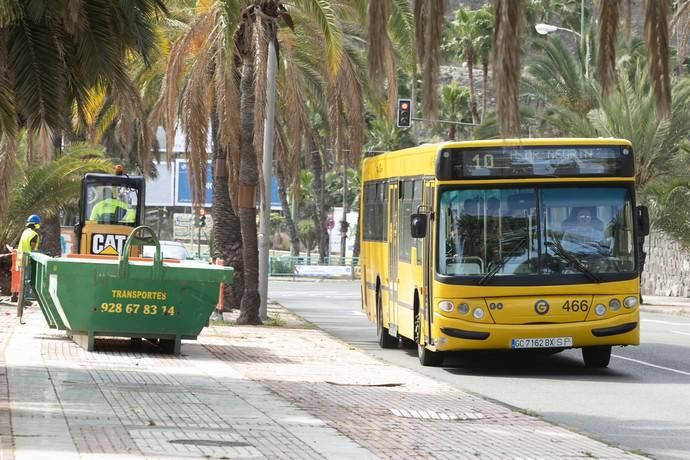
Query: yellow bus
[{"x": 503, "y": 244}]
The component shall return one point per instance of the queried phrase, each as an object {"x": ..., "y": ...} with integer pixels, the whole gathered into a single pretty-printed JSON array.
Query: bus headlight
[
  {"x": 614, "y": 304},
  {"x": 463, "y": 308},
  {"x": 600, "y": 309},
  {"x": 446, "y": 306},
  {"x": 630, "y": 302},
  {"x": 478, "y": 313}
]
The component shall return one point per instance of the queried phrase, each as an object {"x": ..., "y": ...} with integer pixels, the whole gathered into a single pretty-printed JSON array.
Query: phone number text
[{"x": 137, "y": 309}]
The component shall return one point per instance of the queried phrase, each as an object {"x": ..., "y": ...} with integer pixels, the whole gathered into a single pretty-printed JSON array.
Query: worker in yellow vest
[
  {"x": 113, "y": 210},
  {"x": 29, "y": 240}
]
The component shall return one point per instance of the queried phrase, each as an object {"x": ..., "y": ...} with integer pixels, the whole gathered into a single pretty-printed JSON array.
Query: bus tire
[
  {"x": 596, "y": 357},
  {"x": 426, "y": 356},
  {"x": 384, "y": 339}
]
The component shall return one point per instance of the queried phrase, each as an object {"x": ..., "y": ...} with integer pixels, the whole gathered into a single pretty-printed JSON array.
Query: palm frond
[
  {"x": 401, "y": 30},
  {"x": 378, "y": 42},
  {"x": 34, "y": 61},
  {"x": 609, "y": 15},
  {"x": 8, "y": 166},
  {"x": 656, "y": 33},
  {"x": 48, "y": 188},
  {"x": 10, "y": 12},
  {"x": 322, "y": 14},
  {"x": 195, "y": 104},
  {"x": 131, "y": 108}
]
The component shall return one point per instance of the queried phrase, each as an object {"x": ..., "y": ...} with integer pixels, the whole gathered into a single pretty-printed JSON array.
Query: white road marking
[
  {"x": 680, "y": 332},
  {"x": 652, "y": 365},
  {"x": 358, "y": 313}
]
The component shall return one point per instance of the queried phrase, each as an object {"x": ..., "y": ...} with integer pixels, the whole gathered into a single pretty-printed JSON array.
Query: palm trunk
[
  {"x": 452, "y": 131},
  {"x": 355, "y": 250},
  {"x": 50, "y": 236},
  {"x": 343, "y": 223},
  {"x": 5, "y": 270},
  {"x": 227, "y": 232},
  {"x": 249, "y": 179},
  {"x": 319, "y": 211},
  {"x": 485, "y": 86},
  {"x": 289, "y": 223},
  {"x": 470, "y": 74}
]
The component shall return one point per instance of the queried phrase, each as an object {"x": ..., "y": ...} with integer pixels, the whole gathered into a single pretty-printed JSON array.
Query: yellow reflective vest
[
  {"x": 28, "y": 242},
  {"x": 108, "y": 207}
]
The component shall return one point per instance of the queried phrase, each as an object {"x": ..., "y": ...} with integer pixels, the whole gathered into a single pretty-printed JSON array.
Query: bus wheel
[
  {"x": 426, "y": 356},
  {"x": 384, "y": 339},
  {"x": 408, "y": 343},
  {"x": 596, "y": 357}
]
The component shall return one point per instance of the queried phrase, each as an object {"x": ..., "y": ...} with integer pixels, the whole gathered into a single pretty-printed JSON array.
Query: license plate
[{"x": 542, "y": 342}]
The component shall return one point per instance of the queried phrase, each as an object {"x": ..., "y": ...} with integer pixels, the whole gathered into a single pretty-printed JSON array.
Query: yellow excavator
[{"x": 111, "y": 206}]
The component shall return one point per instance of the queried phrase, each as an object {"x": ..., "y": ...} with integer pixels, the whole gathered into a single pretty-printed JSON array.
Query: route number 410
[{"x": 576, "y": 305}]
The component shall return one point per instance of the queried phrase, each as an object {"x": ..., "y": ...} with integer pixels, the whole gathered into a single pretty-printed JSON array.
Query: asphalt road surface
[{"x": 640, "y": 402}]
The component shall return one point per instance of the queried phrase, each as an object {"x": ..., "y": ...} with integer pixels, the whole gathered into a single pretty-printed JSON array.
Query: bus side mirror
[
  {"x": 643, "y": 220},
  {"x": 418, "y": 225}
]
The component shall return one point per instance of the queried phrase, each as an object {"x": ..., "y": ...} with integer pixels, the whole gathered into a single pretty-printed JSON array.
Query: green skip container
[{"x": 95, "y": 296}]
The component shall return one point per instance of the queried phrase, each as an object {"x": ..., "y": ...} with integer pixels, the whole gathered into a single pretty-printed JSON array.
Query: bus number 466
[{"x": 576, "y": 305}]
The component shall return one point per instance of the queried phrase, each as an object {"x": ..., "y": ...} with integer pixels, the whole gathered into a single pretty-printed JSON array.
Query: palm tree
[
  {"x": 55, "y": 53},
  {"x": 384, "y": 136},
  {"x": 389, "y": 18},
  {"x": 482, "y": 45},
  {"x": 656, "y": 35},
  {"x": 46, "y": 190},
  {"x": 229, "y": 43},
  {"x": 680, "y": 26},
  {"x": 556, "y": 77},
  {"x": 464, "y": 33},
  {"x": 508, "y": 16},
  {"x": 628, "y": 111},
  {"x": 455, "y": 107},
  {"x": 201, "y": 82}
]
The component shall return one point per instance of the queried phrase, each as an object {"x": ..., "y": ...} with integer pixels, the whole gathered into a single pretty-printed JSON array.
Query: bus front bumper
[{"x": 452, "y": 334}]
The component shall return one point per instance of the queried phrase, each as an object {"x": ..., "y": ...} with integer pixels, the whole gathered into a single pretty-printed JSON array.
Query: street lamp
[{"x": 544, "y": 29}]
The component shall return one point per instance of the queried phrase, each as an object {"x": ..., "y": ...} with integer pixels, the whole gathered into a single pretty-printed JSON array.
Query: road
[{"x": 640, "y": 402}]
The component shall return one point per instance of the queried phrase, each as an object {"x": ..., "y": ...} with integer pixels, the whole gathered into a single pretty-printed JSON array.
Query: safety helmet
[{"x": 34, "y": 219}]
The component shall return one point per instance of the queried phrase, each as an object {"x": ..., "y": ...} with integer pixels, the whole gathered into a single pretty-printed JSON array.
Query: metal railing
[{"x": 286, "y": 266}]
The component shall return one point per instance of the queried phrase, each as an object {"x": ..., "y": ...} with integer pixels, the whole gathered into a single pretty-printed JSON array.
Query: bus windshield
[{"x": 486, "y": 233}]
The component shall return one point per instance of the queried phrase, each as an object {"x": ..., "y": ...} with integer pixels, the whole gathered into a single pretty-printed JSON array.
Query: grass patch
[
  {"x": 275, "y": 322},
  {"x": 527, "y": 412},
  {"x": 220, "y": 322}
]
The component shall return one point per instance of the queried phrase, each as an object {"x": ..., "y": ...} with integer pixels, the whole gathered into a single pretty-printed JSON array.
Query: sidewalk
[
  {"x": 669, "y": 305},
  {"x": 289, "y": 392}
]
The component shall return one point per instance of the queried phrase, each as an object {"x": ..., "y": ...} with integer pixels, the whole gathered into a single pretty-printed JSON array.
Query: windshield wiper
[
  {"x": 520, "y": 244},
  {"x": 563, "y": 253}
]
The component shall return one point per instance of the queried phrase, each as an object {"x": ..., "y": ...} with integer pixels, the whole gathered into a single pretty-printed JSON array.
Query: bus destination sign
[{"x": 534, "y": 161}]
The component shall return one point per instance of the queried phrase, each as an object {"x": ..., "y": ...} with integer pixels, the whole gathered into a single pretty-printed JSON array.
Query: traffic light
[
  {"x": 404, "y": 113},
  {"x": 202, "y": 218}
]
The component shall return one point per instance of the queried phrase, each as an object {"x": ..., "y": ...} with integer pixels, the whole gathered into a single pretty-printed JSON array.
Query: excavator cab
[{"x": 111, "y": 206}]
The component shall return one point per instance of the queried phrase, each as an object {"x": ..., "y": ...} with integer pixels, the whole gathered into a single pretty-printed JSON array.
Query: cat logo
[{"x": 111, "y": 245}]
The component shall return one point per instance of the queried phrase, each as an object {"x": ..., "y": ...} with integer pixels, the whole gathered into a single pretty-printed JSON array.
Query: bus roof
[
  {"x": 421, "y": 160},
  {"x": 512, "y": 142}
]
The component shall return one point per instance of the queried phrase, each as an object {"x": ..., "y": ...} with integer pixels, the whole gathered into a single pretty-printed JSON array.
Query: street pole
[
  {"x": 582, "y": 34},
  {"x": 343, "y": 221},
  {"x": 265, "y": 214},
  {"x": 582, "y": 17}
]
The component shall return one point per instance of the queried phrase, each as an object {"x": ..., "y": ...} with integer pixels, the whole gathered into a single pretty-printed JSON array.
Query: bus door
[
  {"x": 428, "y": 259},
  {"x": 393, "y": 258}
]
